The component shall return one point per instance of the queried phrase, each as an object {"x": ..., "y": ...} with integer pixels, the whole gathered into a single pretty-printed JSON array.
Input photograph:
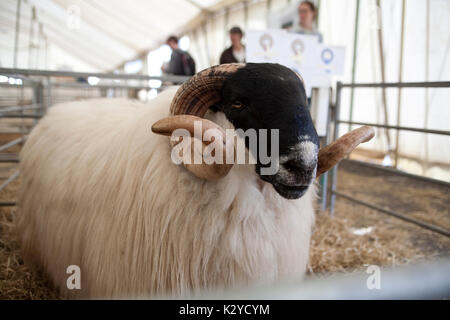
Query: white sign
[
  {"x": 265, "y": 46},
  {"x": 302, "y": 53},
  {"x": 332, "y": 60}
]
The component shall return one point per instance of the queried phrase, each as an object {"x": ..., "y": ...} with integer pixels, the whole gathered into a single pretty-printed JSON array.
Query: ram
[{"x": 100, "y": 191}]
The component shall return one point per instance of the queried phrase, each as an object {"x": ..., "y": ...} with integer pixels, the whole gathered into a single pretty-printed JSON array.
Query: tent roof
[{"x": 110, "y": 32}]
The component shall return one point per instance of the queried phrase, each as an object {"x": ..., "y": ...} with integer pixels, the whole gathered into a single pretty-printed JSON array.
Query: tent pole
[
  {"x": 245, "y": 15},
  {"x": 383, "y": 77},
  {"x": 317, "y": 14},
  {"x": 196, "y": 40},
  {"x": 355, "y": 45},
  {"x": 16, "y": 38},
  {"x": 427, "y": 78},
  {"x": 400, "y": 78},
  {"x": 268, "y": 6},
  {"x": 227, "y": 18},
  {"x": 205, "y": 36},
  {"x": 31, "y": 37}
]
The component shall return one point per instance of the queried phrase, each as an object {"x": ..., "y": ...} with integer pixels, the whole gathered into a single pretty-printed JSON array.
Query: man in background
[
  {"x": 181, "y": 63},
  {"x": 235, "y": 53}
]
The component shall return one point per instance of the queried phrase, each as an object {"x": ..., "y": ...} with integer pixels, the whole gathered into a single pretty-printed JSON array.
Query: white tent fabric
[
  {"x": 426, "y": 154},
  {"x": 95, "y": 35}
]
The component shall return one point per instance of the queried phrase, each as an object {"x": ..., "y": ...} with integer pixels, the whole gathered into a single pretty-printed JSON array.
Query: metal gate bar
[
  {"x": 337, "y": 121},
  {"x": 12, "y": 143},
  {"x": 40, "y": 83},
  {"x": 9, "y": 180},
  {"x": 447, "y": 133},
  {"x": 117, "y": 76}
]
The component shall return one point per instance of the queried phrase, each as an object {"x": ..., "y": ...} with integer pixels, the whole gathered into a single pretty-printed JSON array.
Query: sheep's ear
[{"x": 330, "y": 155}]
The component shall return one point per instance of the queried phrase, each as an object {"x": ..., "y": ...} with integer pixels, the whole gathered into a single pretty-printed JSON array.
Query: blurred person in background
[
  {"x": 181, "y": 63},
  {"x": 235, "y": 53},
  {"x": 308, "y": 14}
]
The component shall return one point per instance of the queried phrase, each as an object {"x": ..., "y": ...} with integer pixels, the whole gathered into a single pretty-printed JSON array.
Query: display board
[{"x": 304, "y": 54}]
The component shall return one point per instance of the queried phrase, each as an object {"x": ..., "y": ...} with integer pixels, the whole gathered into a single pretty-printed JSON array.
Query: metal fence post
[
  {"x": 49, "y": 94},
  {"x": 326, "y": 142},
  {"x": 38, "y": 100},
  {"x": 335, "y": 135}
]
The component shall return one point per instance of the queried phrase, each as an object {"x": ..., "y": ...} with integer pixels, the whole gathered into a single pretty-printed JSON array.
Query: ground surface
[
  {"x": 335, "y": 244},
  {"x": 335, "y": 247}
]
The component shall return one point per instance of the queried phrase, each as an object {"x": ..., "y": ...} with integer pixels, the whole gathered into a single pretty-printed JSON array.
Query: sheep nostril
[
  {"x": 294, "y": 165},
  {"x": 297, "y": 166}
]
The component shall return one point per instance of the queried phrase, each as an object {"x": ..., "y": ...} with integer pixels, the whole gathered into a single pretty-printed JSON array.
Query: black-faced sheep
[{"x": 99, "y": 189}]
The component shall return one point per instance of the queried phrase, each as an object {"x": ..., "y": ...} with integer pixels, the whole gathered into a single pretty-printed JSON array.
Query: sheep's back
[{"x": 76, "y": 167}]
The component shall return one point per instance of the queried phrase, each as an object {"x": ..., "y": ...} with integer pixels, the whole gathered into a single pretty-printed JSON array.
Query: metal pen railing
[
  {"x": 334, "y": 174},
  {"x": 42, "y": 86}
]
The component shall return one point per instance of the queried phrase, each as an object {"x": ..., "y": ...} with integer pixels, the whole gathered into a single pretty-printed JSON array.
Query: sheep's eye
[{"x": 237, "y": 104}]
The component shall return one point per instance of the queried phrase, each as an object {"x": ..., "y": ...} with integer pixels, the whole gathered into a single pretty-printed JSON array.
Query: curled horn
[
  {"x": 330, "y": 155},
  {"x": 213, "y": 171},
  {"x": 190, "y": 104},
  {"x": 203, "y": 90}
]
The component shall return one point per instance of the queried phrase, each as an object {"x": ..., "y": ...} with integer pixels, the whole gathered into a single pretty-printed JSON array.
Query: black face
[{"x": 270, "y": 96}]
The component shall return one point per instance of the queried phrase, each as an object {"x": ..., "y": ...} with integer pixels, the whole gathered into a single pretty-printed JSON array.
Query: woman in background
[{"x": 307, "y": 13}]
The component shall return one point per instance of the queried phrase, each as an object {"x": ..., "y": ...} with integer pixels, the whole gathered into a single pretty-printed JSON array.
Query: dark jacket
[
  {"x": 227, "y": 56},
  {"x": 176, "y": 64}
]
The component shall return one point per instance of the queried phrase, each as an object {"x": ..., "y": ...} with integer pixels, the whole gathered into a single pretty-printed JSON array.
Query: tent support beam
[
  {"x": 427, "y": 78},
  {"x": 355, "y": 46},
  {"x": 400, "y": 78},
  {"x": 383, "y": 76},
  {"x": 16, "y": 37}
]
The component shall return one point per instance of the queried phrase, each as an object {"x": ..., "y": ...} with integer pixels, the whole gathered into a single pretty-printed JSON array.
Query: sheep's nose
[
  {"x": 293, "y": 165},
  {"x": 300, "y": 166},
  {"x": 297, "y": 165}
]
